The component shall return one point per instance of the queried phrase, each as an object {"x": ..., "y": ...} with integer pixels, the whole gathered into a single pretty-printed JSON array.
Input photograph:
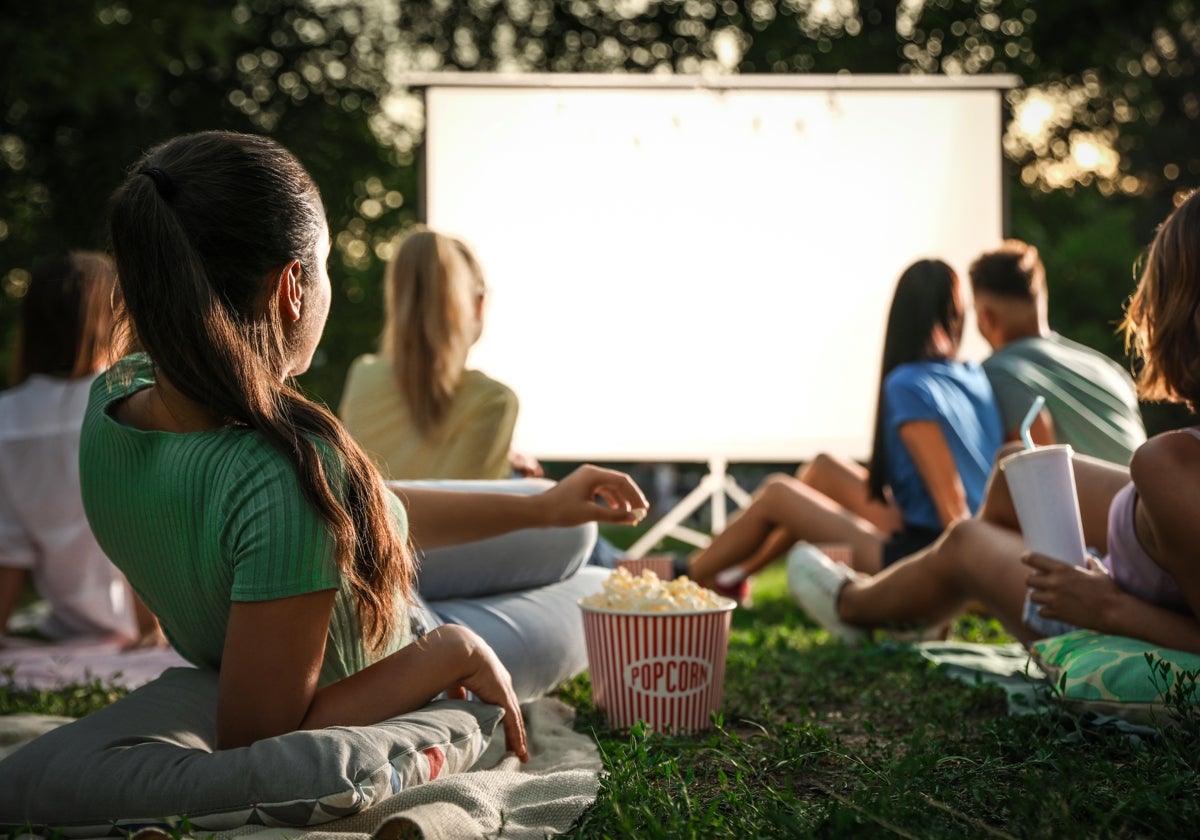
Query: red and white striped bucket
[
  {"x": 666, "y": 669},
  {"x": 662, "y": 565}
]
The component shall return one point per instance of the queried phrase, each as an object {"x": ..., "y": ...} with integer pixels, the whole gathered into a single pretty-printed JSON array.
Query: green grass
[{"x": 817, "y": 739}]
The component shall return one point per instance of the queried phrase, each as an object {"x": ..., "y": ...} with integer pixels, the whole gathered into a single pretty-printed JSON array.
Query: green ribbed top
[{"x": 197, "y": 520}]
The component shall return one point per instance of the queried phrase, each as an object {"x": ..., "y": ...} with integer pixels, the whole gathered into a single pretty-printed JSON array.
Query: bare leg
[
  {"x": 973, "y": 561},
  {"x": 977, "y": 560},
  {"x": 843, "y": 482},
  {"x": 801, "y": 513},
  {"x": 1096, "y": 483},
  {"x": 846, "y": 482}
]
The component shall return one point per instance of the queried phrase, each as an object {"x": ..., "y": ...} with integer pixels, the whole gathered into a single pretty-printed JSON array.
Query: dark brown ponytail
[{"x": 196, "y": 229}]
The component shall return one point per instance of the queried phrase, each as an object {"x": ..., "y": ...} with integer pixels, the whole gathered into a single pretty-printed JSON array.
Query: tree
[
  {"x": 1099, "y": 140},
  {"x": 1099, "y": 143},
  {"x": 85, "y": 95}
]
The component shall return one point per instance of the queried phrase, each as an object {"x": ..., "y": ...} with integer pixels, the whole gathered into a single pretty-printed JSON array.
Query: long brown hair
[
  {"x": 1162, "y": 319},
  {"x": 197, "y": 228},
  {"x": 433, "y": 284},
  {"x": 68, "y": 317}
]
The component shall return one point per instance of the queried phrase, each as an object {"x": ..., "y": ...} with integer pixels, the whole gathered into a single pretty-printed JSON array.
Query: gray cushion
[{"x": 149, "y": 759}]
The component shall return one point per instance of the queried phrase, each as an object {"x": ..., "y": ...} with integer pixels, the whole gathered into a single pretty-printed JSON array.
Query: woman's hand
[
  {"x": 490, "y": 681},
  {"x": 1079, "y": 596},
  {"x": 573, "y": 501}
]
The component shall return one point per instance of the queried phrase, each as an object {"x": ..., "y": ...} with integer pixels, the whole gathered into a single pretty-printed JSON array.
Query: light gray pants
[{"x": 520, "y": 591}]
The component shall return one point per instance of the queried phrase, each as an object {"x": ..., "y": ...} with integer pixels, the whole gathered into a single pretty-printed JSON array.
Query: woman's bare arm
[
  {"x": 1166, "y": 473},
  {"x": 272, "y": 661},
  {"x": 927, "y": 445},
  {"x": 449, "y": 517}
]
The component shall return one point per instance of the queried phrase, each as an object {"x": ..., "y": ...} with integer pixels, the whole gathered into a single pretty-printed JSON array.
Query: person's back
[
  {"x": 239, "y": 524},
  {"x": 958, "y": 397},
  {"x": 1090, "y": 397},
  {"x": 471, "y": 440},
  {"x": 416, "y": 408},
  {"x": 66, "y": 334},
  {"x": 1091, "y": 401}
]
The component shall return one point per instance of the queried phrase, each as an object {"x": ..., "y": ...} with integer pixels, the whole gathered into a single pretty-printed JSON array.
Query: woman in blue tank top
[{"x": 937, "y": 429}]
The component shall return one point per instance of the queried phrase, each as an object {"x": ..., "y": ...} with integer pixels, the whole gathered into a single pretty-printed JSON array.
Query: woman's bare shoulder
[{"x": 1167, "y": 467}]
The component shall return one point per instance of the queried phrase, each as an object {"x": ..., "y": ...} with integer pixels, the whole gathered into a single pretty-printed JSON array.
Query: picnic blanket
[
  {"x": 499, "y": 796},
  {"x": 1024, "y": 682},
  {"x": 31, "y": 663}
]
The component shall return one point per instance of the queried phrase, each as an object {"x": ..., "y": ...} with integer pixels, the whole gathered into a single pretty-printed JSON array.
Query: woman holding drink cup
[{"x": 1143, "y": 520}]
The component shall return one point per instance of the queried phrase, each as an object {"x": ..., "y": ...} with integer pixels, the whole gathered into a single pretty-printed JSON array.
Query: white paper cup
[
  {"x": 666, "y": 669},
  {"x": 1041, "y": 482},
  {"x": 662, "y": 565}
]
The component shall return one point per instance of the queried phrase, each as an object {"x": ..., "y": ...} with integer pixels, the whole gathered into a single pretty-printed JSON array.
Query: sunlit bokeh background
[{"x": 1096, "y": 140}]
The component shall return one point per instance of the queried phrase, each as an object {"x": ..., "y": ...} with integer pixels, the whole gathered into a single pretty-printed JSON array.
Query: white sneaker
[{"x": 815, "y": 581}]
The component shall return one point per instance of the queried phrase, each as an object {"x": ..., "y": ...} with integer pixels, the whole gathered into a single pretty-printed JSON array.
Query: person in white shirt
[{"x": 65, "y": 338}]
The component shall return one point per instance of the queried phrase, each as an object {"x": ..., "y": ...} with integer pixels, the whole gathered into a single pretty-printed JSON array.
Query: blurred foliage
[
  {"x": 84, "y": 94},
  {"x": 1099, "y": 139}
]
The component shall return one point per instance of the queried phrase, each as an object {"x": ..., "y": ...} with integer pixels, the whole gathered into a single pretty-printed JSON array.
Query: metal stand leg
[{"x": 715, "y": 486}]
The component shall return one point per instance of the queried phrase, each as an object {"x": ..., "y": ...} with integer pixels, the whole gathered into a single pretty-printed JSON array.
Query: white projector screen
[{"x": 681, "y": 272}]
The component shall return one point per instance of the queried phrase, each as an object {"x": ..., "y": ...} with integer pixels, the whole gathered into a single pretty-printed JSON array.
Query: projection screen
[{"x": 683, "y": 269}]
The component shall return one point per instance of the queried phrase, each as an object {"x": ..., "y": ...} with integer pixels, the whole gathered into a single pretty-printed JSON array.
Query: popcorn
[{"x": 646, "y": 593}]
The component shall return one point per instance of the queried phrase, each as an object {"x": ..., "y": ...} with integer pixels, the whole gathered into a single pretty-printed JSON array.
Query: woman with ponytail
[{"x": 244, "y": 515}]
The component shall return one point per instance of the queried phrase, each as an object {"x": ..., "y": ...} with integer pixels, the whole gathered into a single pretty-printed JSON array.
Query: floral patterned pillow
[
  {"x": 148, "y": 760},
  {"x": 1119, "y": 676}
]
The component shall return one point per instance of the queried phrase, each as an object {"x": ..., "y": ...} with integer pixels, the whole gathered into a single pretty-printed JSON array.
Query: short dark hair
[
  {"x": 1014, "y": 270},
  {"x": 68, "y": 317}
]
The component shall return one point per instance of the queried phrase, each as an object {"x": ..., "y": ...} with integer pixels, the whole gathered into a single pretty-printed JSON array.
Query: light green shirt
[
  {"x": 1092, "y": 399},
  {"x": 202, "y": 519}
]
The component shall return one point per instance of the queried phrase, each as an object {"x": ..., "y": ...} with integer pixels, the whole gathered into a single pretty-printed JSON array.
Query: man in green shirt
[{"x": 1091, "y": 402}]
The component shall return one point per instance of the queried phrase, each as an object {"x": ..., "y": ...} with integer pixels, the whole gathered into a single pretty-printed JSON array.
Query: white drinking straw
[{"x": 1030, "y": 416}]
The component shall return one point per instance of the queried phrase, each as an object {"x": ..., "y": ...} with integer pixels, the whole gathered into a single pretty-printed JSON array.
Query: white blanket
[{"x": 27, "y": 663}]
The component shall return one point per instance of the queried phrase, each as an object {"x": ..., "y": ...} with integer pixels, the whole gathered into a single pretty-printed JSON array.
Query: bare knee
[
  {"x": 823, "y": 467},
  {"x": 776, "y": 486},
  {"x": 777, "y": 478},
  {"x": 955, "y": 545},
  {"x": 997, "y": 503}
]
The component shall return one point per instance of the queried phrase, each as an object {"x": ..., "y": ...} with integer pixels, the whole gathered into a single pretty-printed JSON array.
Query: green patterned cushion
[{"x": 1113, "y": 674}]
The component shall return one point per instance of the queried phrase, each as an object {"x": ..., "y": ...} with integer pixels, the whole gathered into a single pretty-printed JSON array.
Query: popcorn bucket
[
  {"x": 662, "y": 565},
  {"x": 664, "y": 668},
  {"x": 838, "y": 552}
]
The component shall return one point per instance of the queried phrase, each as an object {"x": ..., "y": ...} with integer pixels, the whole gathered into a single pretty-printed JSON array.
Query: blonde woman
[{"x": 416, "y": 408}]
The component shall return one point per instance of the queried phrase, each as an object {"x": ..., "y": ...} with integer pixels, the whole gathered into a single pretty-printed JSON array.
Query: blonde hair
[
  {"x": 1162, "y": 320},
  {"x": 433, "y": 285}
]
